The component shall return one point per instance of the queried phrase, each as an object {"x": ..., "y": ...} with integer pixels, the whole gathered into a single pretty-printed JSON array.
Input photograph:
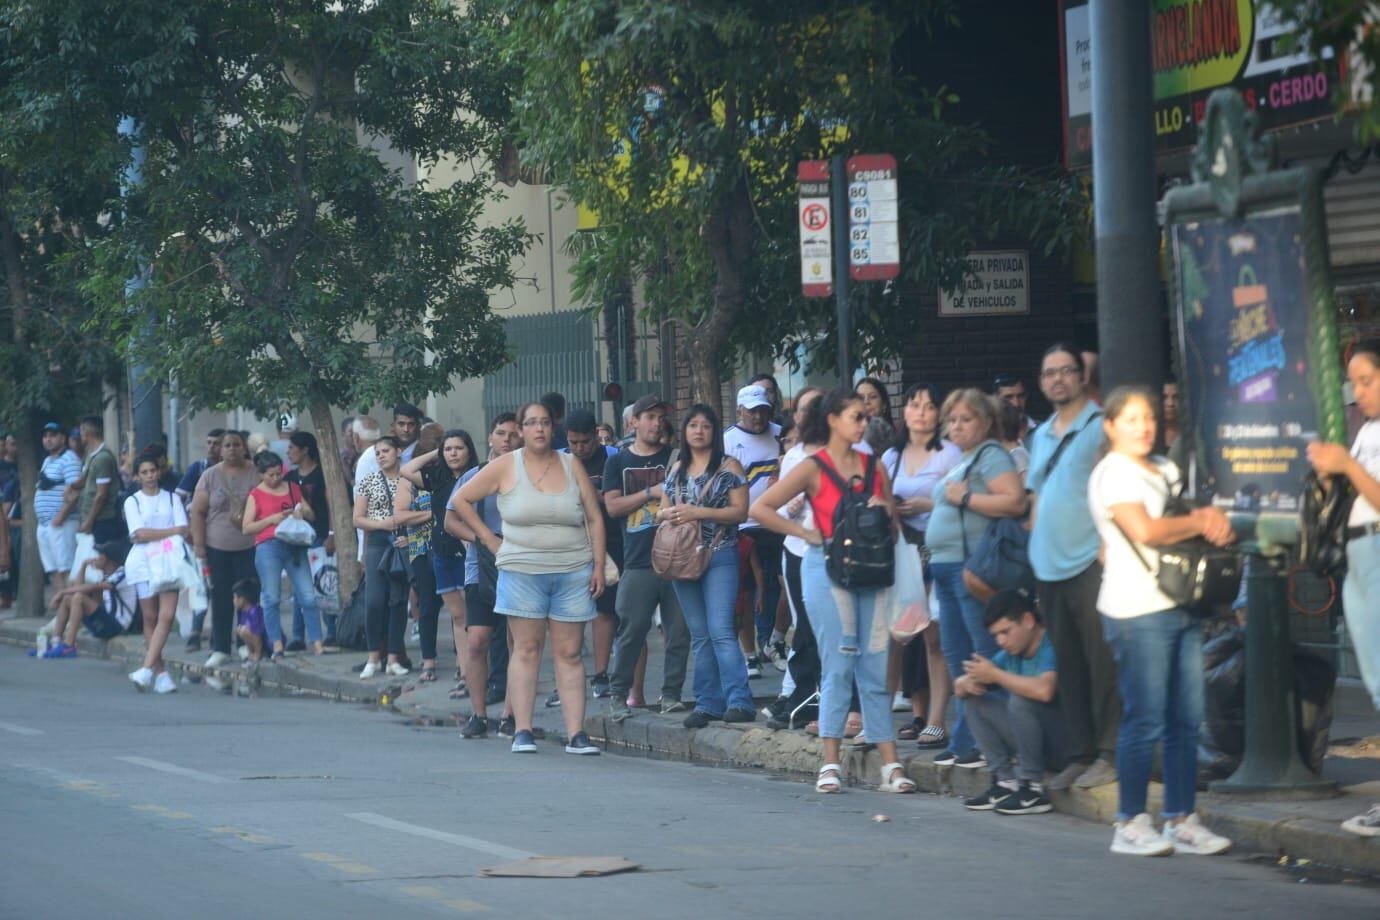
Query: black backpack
[{"x": 862, "y": 551}]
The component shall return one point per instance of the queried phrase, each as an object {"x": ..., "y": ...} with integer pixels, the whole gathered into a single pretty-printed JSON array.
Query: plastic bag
[
  {"x": 295, "y": 532},
  {"x": 909, "y": 610},
  {"x": 325, "y": 579},
  {"x": 164, "y": 559}
]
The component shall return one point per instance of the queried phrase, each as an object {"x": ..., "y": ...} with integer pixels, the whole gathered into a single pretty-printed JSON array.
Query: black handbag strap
[
  {"x": 1168, "y": 497},
  {"x": 962, "y": 512},
  {"x": 1064, "y": 442}
]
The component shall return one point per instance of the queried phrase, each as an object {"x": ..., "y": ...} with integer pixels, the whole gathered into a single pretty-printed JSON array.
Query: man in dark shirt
[{"x": 584, "y": 446}]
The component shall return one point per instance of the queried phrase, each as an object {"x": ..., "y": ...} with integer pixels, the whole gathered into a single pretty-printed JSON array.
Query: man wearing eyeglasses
[
  {"x": 1063, "y": 552},
  {"x": 1011, "y": 389}
]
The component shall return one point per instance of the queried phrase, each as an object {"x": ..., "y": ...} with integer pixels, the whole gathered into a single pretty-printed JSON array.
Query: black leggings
[
  {"x": 424, "y": 580},
  {"x": 228, "y": 567},
  {"x": 385, "y": 601}
]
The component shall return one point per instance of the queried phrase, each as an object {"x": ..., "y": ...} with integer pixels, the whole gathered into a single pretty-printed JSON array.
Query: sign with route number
[
  {"x": 816, "y": 229},
  {"x": 874, "y": 243}
]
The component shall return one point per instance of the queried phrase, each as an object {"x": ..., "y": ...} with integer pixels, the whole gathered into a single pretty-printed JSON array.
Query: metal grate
[{"x": 551, "y": 352}]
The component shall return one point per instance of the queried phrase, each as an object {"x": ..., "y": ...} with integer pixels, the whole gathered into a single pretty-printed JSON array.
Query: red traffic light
[{"x": 613, "y": 392}]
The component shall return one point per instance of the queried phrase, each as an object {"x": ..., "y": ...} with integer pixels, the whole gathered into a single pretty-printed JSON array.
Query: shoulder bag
[
  {"x": 677, "y": 549},
  {"x": 1002, "y": 557}
]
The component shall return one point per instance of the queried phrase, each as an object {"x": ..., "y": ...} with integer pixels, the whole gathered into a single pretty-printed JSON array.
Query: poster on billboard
[{"x": 1199, "y": 46}]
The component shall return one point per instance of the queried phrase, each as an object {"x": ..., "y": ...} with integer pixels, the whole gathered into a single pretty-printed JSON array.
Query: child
[
  {"x": 250, "y": 628},
  {"x": 100, "y": 597}
]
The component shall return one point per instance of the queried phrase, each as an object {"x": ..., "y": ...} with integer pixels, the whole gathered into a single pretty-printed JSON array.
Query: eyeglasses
[
  {"x": 536, "y": 423},
  {"x": 1050, "y": 373}
]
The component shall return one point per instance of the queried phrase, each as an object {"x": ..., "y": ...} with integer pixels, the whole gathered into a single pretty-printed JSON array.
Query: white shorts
[
  {"x": 143, "y": 590},
  {"x": 57, "y": 546}
]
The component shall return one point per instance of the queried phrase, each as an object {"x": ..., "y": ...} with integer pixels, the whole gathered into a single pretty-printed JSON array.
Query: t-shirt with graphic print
[
  {"x": 760, "y": 455},
  {"x": 630, "y": 474}
]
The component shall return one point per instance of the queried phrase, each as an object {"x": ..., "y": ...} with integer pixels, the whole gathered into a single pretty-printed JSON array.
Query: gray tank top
[{"x": 543, "y": 533}]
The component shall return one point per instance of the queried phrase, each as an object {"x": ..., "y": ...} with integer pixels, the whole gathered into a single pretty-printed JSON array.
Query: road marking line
[
  {"x": 19, "y": 729},
  {"x": 164, "y": 767},
  {"x": 341, "y": 863},
  {"x": 464, "y": 906},
  {"x": 163, "y": 811},
  {"x": 246, "y": 836},
  {"x": 422, "y": 891},
  {"x": 90, "y": 788},
  {"x": 459, "y": 840}
]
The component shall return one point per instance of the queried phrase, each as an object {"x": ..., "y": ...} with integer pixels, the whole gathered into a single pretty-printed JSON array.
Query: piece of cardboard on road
[{"x": 561, "y": 867}]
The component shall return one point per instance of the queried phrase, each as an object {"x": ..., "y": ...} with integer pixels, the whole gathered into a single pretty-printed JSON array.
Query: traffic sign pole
[{"x": 839, "y": 187}]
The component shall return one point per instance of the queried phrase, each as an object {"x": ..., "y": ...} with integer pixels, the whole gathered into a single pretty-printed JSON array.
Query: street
[{"x": 197, "y": 804}]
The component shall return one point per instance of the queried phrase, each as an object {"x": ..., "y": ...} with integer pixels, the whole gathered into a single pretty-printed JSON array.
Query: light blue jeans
[
  {"x": 1361, "y": 598},
  {"x": 961, "y": 632},
  {"x": 839, "y": 670},
  {"x": 271, "y": 559},
  {"x": 1159, "y": 664},
  {"x": 721, "y": 681}
]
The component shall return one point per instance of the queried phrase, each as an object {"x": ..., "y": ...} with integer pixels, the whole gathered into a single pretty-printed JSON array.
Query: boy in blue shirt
[{"x": 1009, "y": 701}]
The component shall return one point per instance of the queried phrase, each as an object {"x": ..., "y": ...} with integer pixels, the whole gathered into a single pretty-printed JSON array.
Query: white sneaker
[
  {"x": 217, "y": 659},
  {"x": 164, "y": 683},
  {"x": 1366, "y": 825},
  {"x": 243, "y": 652},
  {"x": 397, "y": 670},
  {"x": 370, "y": 669},
  {"x": 143, "y": 678},
  {"x": 1137, "y": 837},
  {"x": 1190, "y": 836},
  {"x": 899, "y": 703}
]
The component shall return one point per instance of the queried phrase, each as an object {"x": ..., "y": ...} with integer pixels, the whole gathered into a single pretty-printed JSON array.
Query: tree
[
  {"x": 680, "y": 126},
  {"x": 291, "y": 258},
  {"x": 1344, "y": 26}
]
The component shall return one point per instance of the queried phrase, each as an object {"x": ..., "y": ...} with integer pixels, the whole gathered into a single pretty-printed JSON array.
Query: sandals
[
  {"x": 428, "y": 675},
  {"x": 932, "y": 736},
  {"x": 854, "y": 726},
  {"x": 910, "y": 731},
  {"x": 459, "y": 691},
  {"x": 894, "y": 779},
  {"x": 830, "y": 779}
]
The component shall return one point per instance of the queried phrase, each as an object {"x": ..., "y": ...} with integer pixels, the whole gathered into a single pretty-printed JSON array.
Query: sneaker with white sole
[
  {"x": 989, "y": 800},
  {"x": 1190, "y": 836},
  {"x": 217, "y": 659},
  {"x": 754, "y": 667},
  {"x": 973, "y": 760},
  {"x": 1138, "y": 837},
  {"x": 164, "y": 683},
  {"x": 143, "y": 678},
  {"x": 1028, "y": 800},
  {"x": 579, "y": 743},
  {"x": 524, "y": 743},
  {"x": 397, "y": 670},
  {"x": 369, "y": 670},
  {"x": 899, "y": 703},
  {"x": 1366, "y": 825}
]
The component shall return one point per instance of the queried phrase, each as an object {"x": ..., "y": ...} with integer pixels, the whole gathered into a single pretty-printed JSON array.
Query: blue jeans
[
  {"x": 1159, "y": 663},
  {"x": 1361, "y": 600},
  {"x": 721, "y": 680},
  {"x": 271, "y": 559},
  {"x": 961, "y": 632},
  {"x": 299, "y": 622},
  {"x": 839, "y": 670}
]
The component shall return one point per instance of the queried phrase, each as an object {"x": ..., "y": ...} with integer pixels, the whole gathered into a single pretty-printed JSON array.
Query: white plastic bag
[
  {"x": 909, "y": 610},
  {"x": 164, "y": 559},
  {"x": 324, "y": 579},
  {"x": 295, "y": 532}
]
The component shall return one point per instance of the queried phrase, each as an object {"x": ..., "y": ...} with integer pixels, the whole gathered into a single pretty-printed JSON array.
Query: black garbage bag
[
  {"x": 350, "y": 629},
  {"x": 1222, "y": 738}
]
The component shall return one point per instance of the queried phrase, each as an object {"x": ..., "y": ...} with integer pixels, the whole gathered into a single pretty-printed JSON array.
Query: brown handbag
[{"x": 677, "y": 550}]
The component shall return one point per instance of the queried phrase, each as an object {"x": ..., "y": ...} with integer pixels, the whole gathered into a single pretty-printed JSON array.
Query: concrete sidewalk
[{"x": 1299, "y": 829}]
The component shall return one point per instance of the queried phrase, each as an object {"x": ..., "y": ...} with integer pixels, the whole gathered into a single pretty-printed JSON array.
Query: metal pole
[
  {"x": 838, "y": 189},
  {"x": 145, "y": 390},
  {"x": 1130, "y": 320}
]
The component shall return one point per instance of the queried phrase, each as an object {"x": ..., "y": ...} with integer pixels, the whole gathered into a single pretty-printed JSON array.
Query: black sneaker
[
  {"x": 553, "y": 700},
  {"x": 779, "y": 723},
  {"x": 507, "y": 727},
  {"x": 973, "y": 760},
  {"x": 699, "y": 719},
  {"x": 476, "y": 727},
  {"x": 524, "y": 743},
  {"x": 945, "y": 759},
  {"x": 1028, "y": 800},
  {"x": 740, "y": 715},
  {"x": 194, "y": 643},
  {"x": 296, "y": 645},
  {"x": 600, "y": 684},
  {"x": 494, "y": 696},
  {"x": 777, "y": 707},
  {"x": 990, "y": 799},
  {"x": 754, "y": 666},
  {"x": 580, "y": 744}
]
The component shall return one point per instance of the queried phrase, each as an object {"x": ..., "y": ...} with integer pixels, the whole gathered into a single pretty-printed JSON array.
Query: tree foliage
[
  {"x": 1342, "y": 26},
  {"x": 680, "y": 125}
]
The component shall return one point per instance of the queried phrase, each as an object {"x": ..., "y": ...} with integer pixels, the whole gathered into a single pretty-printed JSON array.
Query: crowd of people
[{"x": 1071, "y": 679}]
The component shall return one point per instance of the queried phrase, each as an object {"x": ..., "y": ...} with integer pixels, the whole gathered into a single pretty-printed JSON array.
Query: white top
[
  {"x": 1128, "y": 590},
  {"x": 760, "y": 455},
  {"x": 906, "y": 485},
  {"x": 157, "y": 512},
  {"x": 1366, "y": 450},
  {"x": 806, "y": 518}
]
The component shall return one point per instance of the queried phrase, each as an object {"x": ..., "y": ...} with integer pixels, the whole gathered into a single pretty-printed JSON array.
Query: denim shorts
[
  {"x": 562, "y": 596},
  {"x": 450, "y": 573}
]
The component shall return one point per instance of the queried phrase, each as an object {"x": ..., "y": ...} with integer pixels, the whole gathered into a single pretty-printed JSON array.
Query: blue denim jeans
[
  {"x": 1159, "y": 662},
  {"x": 961, "y": 632},
  {"x": 1361, "y": 600},
  {"x": 840, "y": 670},
  {"x": 720, "y": 677},
  {"x": 271, "y": 559},
  {"x": 299, "y": 622}
]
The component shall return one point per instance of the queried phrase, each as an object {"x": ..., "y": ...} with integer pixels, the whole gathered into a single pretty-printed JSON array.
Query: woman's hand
[
  {"x": 596, "y": 581},
  {"x": 814, "y": 538},
  {"x": 1329, "y": 459},
  {"x": 1216, "y": 526},
  {"x": 400, "y": 540},
  {"x": 681, "y": 514},
  {"x": 493, "y": 543},
  {"x": 955, "y": 491},
  {"x": 299, "y": 511}
]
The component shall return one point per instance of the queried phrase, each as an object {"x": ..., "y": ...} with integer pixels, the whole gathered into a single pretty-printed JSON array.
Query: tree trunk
[
  {"x": 347, "y": 564},
  {"x": 729, "y": 234},
  {"x": 30, "y": 596}
]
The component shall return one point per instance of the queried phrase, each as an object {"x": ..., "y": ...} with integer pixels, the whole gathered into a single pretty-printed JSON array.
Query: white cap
[{"x": 752, "y": 396}]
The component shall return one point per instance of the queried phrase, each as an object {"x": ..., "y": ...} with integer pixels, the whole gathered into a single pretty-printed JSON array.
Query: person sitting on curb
[
  {"x": 1009, "y": 702},
  {"x": 100, "y": 597}
]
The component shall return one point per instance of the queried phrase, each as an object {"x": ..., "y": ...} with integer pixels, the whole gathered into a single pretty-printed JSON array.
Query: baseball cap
[
  {"x": 53, "y": 426},
  {"x": 648, "y": 403},
  {"x": 752, "y": 396}
]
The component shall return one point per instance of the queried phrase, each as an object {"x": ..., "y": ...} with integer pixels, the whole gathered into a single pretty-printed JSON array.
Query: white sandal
[
  {"x": 830, "y": 778},
  {"x": 894, "y": 779}
]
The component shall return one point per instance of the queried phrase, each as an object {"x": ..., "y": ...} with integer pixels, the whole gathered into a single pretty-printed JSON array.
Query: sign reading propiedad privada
[
  {"x": 1199, "y": 46},
  {"x": 997, "y": 283}
]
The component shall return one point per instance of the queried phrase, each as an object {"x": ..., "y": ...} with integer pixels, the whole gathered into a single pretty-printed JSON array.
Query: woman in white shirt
[
  {"x": 153, "y": 516},
  {"x": 1158, "y": 646},
  {"x": 1361, "y": 589}
]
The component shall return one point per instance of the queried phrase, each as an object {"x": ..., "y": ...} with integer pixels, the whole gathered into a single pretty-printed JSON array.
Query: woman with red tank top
[
  {"x": 270, "y": 503},
  {"x": 840, "y": 615}
]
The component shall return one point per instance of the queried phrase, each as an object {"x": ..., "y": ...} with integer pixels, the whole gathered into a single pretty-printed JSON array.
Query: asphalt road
[{"x": 117, "y": 804}]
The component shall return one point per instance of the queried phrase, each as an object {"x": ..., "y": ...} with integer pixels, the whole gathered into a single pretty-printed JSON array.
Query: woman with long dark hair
[
  {"x": 269, "y": 504},
  {"x": 919, "y": 459},
  {"x": 852, "y": 640},
  {"x": 387, "y": 605},
  {"x": 218, "y": 538},
  {"x": 437, "y": 471},
  {"x": 152, "y": 514},
  {"x": 706, "y": 487},
  {"x": 876, "y": 403},
  {"x": 304, "y": 456}
]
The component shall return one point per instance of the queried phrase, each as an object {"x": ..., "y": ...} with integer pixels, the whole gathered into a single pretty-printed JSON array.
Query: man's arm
[{"x": 1041, "y": 688}]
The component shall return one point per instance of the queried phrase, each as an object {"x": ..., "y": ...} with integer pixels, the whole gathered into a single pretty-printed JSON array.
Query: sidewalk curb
[{"x": 1252, "y": 826}]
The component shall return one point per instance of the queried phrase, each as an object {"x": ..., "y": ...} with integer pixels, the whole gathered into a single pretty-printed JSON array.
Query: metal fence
[{"x": 553, "y": 352}]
